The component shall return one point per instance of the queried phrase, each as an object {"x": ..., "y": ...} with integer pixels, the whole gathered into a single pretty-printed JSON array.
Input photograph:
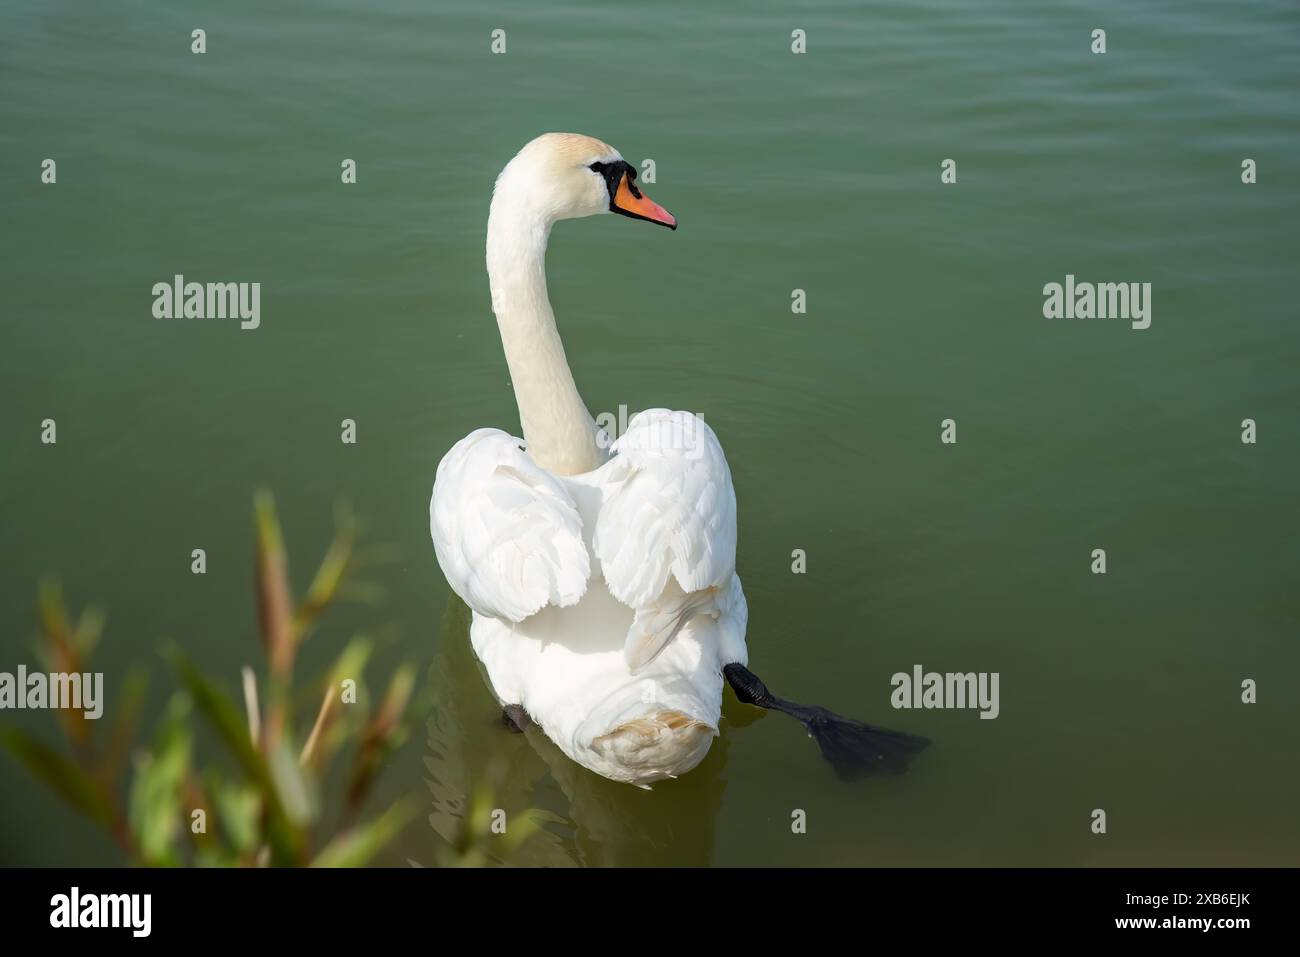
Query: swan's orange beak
[{"x": 630, "y": 201}]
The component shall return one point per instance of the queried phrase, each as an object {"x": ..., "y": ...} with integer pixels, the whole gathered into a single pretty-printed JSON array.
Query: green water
[{"x": 818, "y": 171}]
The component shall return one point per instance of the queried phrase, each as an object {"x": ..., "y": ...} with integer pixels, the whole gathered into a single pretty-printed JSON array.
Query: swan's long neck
[{"x": 559, "y": 431}]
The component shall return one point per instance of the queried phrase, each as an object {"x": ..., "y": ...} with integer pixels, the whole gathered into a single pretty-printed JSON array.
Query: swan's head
[{"x": 567, "y": 176}]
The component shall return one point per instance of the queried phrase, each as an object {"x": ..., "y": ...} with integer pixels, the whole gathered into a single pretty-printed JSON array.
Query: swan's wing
[
  {"x": 507, "y": 534},
  {"x": 666, "y": 535}
]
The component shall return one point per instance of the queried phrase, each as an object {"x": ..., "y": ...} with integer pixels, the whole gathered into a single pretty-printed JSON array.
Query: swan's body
[
  {"x": 580, "y": 579},
  {"x": 603, "y": 586}
]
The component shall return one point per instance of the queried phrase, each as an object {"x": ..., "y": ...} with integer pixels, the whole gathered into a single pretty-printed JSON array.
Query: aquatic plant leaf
[
  {"x": 274, "y": 596},
  {"x": 155, "y": 806},
  {"x": 383, "y": 735},
  {"x": 523, "y": 826},
  {"x": 331, "y": 574},
  {"x": 238, "y": 809},
  {"x": 224, "y": 716},
  {"x": 90, "y": 626},
  {"x": 350, "y": 664},
  {"x": 397, "y": 697},
  {"x": 296, "y": 789},
  {"x": 359, "y": 846},
  {"x": 125, "y": 722},
  {"x": 56, "y": 631},
  {"x": 59, "y": 773}
]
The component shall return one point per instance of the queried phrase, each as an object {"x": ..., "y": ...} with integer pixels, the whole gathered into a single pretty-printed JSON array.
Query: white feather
[{"x": 507, "y": 535}]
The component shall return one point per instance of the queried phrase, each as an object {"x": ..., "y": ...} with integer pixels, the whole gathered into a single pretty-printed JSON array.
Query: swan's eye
[
  {"x": 610, "y": 173},
  {"x": 614, "y": 174}
]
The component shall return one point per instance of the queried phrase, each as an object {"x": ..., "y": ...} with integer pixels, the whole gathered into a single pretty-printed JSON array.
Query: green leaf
[
  {"x": 333, "y": 571},
  {"x": 238, "y": 808},
  {"x": 90, "y": 626},
  {"x": 225, "y": 718},
  {"x": 522, "y": 826},
  {"x": 131, "y": 704},
  {"x": 383, "y": 735},
  {"x": 295, "y": 788},
  {"x": 215, "y": 856},
  {"x": 222, "y": 713},
  {"x": 55, "y": 628},
  {"x": 357, "y": 847},
  {"x": 49, "y": 605},
  {"x": 59, "y": 773},
  {"x": 155, "y": 806},
  {"x": 397, "y": 697},
  {"x": 478, "y": 816},
  {"x": 274, "y": 595},
  {"x": 351, "y": 663}
]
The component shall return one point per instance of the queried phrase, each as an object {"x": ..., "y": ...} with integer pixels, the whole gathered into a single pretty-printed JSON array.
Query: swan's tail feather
[
  {"x": 654, "y": 627},
  {"x": 853, "y": 748}
]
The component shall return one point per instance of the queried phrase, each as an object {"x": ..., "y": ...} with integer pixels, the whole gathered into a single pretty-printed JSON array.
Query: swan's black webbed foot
[
  {"x": 856, "y": 749},
  {"x": 514, "y": 717},
  {"x": 853, "y": 748}
]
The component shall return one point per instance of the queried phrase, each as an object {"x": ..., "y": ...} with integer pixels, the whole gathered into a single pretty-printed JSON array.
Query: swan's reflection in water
[{"x": 589, "y": 820}]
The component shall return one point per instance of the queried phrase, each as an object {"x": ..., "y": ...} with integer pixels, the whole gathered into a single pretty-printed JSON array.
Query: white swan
[{"x": 606, "y": 606}]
